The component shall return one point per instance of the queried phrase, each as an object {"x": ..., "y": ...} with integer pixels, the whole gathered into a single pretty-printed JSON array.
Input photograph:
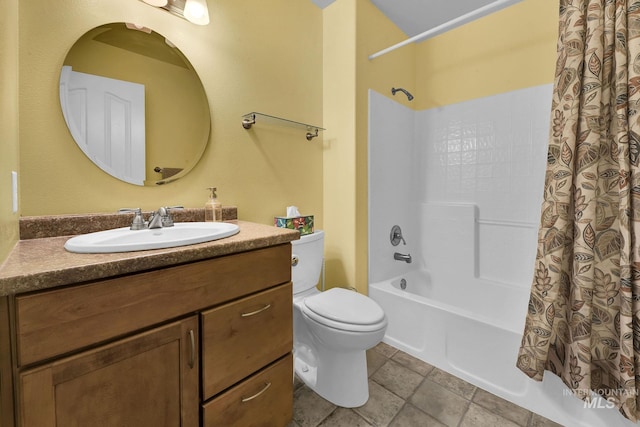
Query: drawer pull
[
  {"x": 253, "y": 313},
  {"x": 192, "y": 353},
  {"x": 246, "y": 399}
]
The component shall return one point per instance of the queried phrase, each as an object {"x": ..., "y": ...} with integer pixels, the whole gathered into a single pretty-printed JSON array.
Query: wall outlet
[{"x": 14, "y": 190}]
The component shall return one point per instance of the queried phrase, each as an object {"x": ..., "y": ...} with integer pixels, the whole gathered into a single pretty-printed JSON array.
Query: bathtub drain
[{"x": 403, "y": 284}]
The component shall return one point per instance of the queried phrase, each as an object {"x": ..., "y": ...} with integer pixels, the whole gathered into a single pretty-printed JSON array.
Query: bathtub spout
[{"x": 402, "y": 257}]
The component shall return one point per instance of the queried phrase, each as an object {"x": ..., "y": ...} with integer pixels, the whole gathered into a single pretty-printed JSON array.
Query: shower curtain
[{"x": 583, "y": 319}]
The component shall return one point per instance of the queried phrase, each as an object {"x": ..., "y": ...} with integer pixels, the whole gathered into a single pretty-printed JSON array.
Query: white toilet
[{"x": 332, "y": 329}]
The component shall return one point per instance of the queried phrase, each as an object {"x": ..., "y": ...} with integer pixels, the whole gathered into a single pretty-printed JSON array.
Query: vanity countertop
[{"x": 43, "y": 263}]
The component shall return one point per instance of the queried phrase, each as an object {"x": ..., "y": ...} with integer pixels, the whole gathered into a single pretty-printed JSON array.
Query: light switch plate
[{"x": 14, "y": 190}]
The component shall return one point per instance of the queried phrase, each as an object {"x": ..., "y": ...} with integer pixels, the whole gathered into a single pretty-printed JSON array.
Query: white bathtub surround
[
  {"x": 448, "y": 238},
  {"x": 392, "y": 181},
  {"x": 470, "y": 204}
]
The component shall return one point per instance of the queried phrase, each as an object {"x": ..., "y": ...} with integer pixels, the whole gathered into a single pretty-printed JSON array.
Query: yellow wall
[
  {"x": 8, "y": 123},
  {"x": 254, "y": 56},
  {"x": 511, "y": 49},
  {"x": 339, "y": 76},
  {"x": 352, "y": 30}
]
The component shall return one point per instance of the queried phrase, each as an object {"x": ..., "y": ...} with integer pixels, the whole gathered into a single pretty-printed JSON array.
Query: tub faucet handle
[{"x": 396, "y": 236}]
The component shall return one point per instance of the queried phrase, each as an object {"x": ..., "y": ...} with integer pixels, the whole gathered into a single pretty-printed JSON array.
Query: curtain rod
[{"x": 467, "y": 17}]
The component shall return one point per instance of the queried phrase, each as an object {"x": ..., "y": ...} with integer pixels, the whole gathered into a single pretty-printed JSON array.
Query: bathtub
[{"x": 473, "y": 331}]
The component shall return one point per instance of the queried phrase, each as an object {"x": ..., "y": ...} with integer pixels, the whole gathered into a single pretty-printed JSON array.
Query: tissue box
[{"x": 304, "y": 224}]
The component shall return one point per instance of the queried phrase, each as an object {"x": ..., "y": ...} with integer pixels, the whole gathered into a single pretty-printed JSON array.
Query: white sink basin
[{"x": 126, "y": 240}]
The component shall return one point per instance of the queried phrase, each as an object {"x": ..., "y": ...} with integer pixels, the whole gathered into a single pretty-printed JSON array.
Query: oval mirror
[{"x": 134, "y": 104}]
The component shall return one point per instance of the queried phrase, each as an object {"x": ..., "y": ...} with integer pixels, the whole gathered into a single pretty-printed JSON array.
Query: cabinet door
[{"x": 150, "y": 379}]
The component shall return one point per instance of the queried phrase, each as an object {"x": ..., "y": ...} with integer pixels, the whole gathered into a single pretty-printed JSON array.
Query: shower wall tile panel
[
  {"x": 507, "y": 253},
  {"x": 490, "y": 152},
  {"x": 449, "y": 240}
]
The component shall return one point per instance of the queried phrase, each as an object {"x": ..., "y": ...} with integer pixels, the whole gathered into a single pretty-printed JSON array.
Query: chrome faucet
[
  {"x": 162, "y": 217},
  {"x": 402, "y": 257},
  {"x": 158, "y": 219},
  {"x": 155, "y": 219}
]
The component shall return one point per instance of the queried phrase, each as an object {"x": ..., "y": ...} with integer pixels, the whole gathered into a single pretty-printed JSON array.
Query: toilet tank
[{"x": 309, "y": 251}]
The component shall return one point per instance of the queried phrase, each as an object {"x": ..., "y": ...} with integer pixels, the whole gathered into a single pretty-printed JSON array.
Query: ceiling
[{"x": 417, "y": 16}]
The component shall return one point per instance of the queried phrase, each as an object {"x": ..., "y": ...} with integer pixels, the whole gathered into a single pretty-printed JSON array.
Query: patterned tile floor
[{"x": 404, "y": 391}]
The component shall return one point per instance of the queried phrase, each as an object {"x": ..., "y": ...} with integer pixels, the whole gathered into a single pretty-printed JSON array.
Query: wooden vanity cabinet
[{"x": 168, "y": 347}]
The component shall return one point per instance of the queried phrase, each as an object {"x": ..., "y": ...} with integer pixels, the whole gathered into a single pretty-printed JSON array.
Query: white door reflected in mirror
[{"x": 106, "y": 118}]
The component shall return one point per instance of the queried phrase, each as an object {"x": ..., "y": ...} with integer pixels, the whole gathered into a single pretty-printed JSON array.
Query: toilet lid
[{"x": 344, "y": 306}]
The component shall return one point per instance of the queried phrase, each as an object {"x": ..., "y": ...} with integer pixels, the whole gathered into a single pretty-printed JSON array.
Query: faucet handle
[
  {"x": 138, "y": 221},
  {"x": 396, "y": 236},
  {"x": 167, "y": 219}
]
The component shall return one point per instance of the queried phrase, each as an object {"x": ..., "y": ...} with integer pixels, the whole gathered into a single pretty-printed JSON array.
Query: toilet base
[{"x": 340, "y": 378}]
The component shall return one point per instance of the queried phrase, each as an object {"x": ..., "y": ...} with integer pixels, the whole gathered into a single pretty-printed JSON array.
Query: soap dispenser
[{"x": 213, "y": 208}]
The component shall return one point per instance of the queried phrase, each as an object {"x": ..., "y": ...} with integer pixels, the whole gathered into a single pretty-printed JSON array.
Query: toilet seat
[{"x": 346, "y": 310}]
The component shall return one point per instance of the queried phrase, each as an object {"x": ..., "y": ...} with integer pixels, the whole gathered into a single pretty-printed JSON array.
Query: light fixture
[
  {"x": 132, "y": 26},
  {"x": 194, "y": 11},
  {"x": 156, "y": 3},
  {"x": 197, "y": 11}
]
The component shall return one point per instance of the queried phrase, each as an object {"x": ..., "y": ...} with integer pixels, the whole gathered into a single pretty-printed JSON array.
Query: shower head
[{"x": 406, "y": 92}]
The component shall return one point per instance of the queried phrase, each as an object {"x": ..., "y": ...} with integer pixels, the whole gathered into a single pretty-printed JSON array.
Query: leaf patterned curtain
[{"x": 583, "y": 319}]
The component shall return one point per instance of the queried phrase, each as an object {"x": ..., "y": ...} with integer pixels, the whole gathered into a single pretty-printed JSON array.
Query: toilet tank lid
[
  {"x": 318, "y": 234},
  {"x": 345, "y": 306}
]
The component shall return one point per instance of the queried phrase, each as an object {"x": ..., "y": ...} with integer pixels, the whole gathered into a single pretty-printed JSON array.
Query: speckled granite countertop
[{"x": 41, "y": 263}]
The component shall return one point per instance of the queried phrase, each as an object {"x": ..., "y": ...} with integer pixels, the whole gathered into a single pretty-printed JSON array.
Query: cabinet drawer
[
  {"x": 241, "y": 337},
  {"x": 54, "y": 322},
  {"x": 264, "y": 399}
]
